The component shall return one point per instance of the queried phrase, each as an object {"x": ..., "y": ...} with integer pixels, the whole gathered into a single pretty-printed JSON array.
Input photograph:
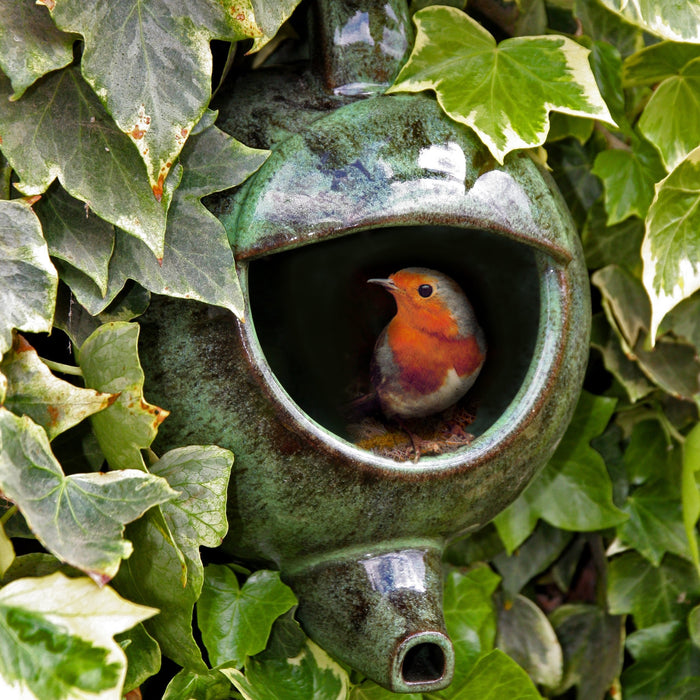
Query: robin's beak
[{"x": 386, "y": 283}]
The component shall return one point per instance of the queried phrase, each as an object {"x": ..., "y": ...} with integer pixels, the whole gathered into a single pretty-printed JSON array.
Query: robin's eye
[{"x": 425, "y": 290}]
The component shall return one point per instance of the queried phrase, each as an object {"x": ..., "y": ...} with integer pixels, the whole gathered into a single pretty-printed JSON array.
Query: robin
[{"x": 432, "y": 350}]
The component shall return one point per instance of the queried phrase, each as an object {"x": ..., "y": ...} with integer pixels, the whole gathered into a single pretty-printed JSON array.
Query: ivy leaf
[
  {"x": 368, "y": 690},
  {"x": 74, "y": 235},
  {"x": 526, "y": 635},
  {"x": 648, "y": 451},
  {"x": 190, "y": 685},
  {"x": 657, "y": 62},
  {"x": 690, "y": 495},
  {"x": 60, "y": 130},
  {"x": 110, "y": 363},
  {"x": 671, "y": 248},
  {"x": 30, "y": 44},
  {"x": 629, "y": 178},
  {"x": 678, "y": 21},
  {"x": 153, "y": 573},
  {"x": 249, "y": 611},
  {"x": 674, "y": 132},
  {"x": 602, "y": 25},
  {"x": 157, "y": 43},
  {"x": 664, "y": 659},
  {"x": 504, "y": 92},
  {"x": 56, "y": 635},
  {"x": 310, "y": 674},
  {"x": 574, "y": 491},
  {"x": 28, "y": 293},
  {"x": 78, "y": 518},
  {"x": 592, "y": 642},
  {"x": 142, "y": 655},
  {"x": 651, "y": 594},
  {"x": 7, "y": 552},
  {"x": 33, "y": 390}
]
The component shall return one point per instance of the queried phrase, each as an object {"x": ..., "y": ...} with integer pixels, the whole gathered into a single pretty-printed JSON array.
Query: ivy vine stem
[{"x": 62, "y": 368}]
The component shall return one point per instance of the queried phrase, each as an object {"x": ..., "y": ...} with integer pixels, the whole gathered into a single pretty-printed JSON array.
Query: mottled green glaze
[{"x": 367, "y": 186}]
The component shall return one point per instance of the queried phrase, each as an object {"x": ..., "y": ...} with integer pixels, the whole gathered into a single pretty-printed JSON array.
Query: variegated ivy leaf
[
  {"x": 657, "y": 62},
  {"x": 678, "y": 21},
  {"x": 136, "y": 53},
  {"x": 506, "y": 91},
  {"x": 29, "y": 280},
  {"x": 60, "y": 130},
  {"x": 30, "y": 44},
  {"x": 671, "y": 247},
  {"x": 33, "y": 390}
]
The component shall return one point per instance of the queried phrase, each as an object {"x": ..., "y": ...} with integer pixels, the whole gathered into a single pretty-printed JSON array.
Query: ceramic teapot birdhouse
[{"x": 360, "y": 185}]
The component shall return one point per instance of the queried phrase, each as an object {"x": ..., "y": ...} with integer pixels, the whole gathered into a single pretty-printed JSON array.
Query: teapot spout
[{"x": 381, "y": 614}]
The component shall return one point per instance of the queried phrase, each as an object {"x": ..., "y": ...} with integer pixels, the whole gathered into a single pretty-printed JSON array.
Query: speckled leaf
[
  {"x": 249, "y": 612},
  {"x": 311, "y": 674},
  {"x": 690, "y": 495},
  {"x": 657, "y": 62},
  {"x": 504, "y": 92},
  {"x": 678, "y": 21},
  {"x": 526, "y": 635},
  {"x": 78, "y": 518},
  {"x": 592, "y": 642},
  {"x": 664, "y": 661},
  {"x": 153, "y": 574},
  {"x": 157, "y": 42},
  {"x": 675, "y": 132},
  {"x": 57, "y": 638},
  {"x": 629, "y": 178},
  {"x": 30, "y": 43},
  {"x": 651, "y": 594},
  {"x": 28, "y": 291},
  {"x": 60, "y": 130},
  {"x": 671, "y": 248},
  {"x": 76, "y": 235},
  {"x": 33, "y": 390},
  {"x": 110, "y": 363}
]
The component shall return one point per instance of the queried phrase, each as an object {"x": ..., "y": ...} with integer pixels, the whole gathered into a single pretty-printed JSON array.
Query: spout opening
[{"x": 424, "y": 663}]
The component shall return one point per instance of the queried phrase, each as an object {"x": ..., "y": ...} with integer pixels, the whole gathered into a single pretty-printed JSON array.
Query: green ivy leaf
[
  {"x": 7, "y": 552},
  {"x": 157, "y": 43},
  {"x": 76, "y": 236},
  {"x": 678, "y": 21},
  {"x": 647, "y": 453},
  {"x": 526, "y": 635},
  {"x": 605, "y": 26},
  {"x": 657, "y": 62},
  {"x": 142, "y": 656},
  {"x": 612, "y": 245},
  {"x": 249, "y": 611},
  {"x": 574, "y": 491},
  {"x": 504, "y": 92},
  {"x": 592, "y": 642},
  {"x": 28, "y": 293},
  {"x": 153, "y": 574},
  {"x": 664, "y": 660},
  {"x": 30, "y": 44},
  {"x": 311, "y": 674},
  {"x": 496, "y": 676},
  {"x": 33, "y": 390},
  {"x": 56, "y": 638},
  {"x": 110, "y": 363},
  {"x": 60, "y": 130},
  {"x": 690, "y": 496},
  {"x": 371, "y": 691},
  {"x": 629, "y": 178},
  {"x": 190, "y": 685},
  {"x": 651, "y": 594},
  {"x": 674, "y": 132},
  {"x": 78, "y": 518}
]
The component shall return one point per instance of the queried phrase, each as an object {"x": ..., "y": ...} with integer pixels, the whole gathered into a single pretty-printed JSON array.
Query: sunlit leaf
[
  {"x": 657, "y": 62},
  {"x": 678, "y": 21},
  {"x": 190, "y": 685},
  {"x": 504, "y": 92},
  {"x": 153, "y": 574},
  {"x": 30, "y": 43},
  {"x": 671, "y": 248},
  {"x": 109, "y": 361},
  {"x": 56, "y": 636},
  {"x": 651, "y": 594},
  {"x": 250, "y": 611},
  {"x": 33, "y": 390},
  {"x": 78, "y": 518},
  {"x": 28, "y": 291},
  {"x": 60, "y": 130}
]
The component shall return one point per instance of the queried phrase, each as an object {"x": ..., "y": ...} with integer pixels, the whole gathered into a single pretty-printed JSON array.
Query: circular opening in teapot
[{"x": 317, "y": 319}]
